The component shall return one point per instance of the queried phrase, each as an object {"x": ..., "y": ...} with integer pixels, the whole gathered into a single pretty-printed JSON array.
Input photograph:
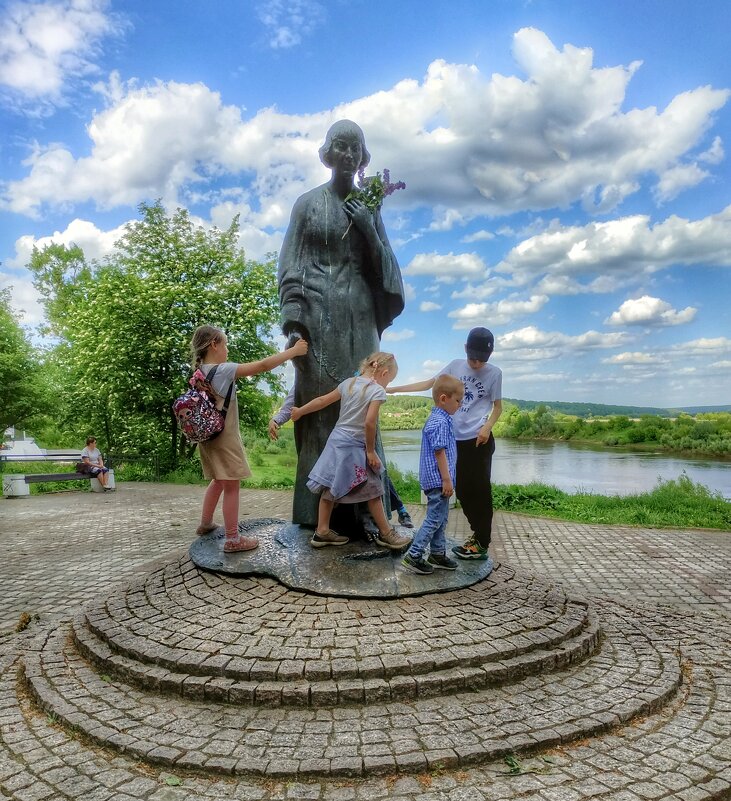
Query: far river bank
[{"x": 577, "y": 467}]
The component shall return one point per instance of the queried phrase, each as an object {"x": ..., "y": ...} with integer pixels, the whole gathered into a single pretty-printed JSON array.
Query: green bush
[{"x": 189, "y": 473}]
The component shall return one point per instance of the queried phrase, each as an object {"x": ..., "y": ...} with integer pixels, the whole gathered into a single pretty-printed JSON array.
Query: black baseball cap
[{"x": 480, "y": 344}]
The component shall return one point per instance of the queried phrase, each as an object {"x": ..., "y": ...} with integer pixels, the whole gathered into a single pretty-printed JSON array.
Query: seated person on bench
[{"x": 92, "y": 457}]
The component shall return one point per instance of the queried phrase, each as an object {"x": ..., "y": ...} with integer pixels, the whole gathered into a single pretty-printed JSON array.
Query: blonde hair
[
  {"x": 446, "y": 385},
  {"x": 372, "y": 364},
  {"x": 203, "y": 337}
]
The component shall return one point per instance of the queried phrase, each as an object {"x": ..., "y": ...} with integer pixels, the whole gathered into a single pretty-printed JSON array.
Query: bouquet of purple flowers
[{"x": 372, "y": 190}]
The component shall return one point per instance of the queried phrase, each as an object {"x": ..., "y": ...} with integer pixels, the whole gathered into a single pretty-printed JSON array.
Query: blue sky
[{"x": 566, "y": 168}]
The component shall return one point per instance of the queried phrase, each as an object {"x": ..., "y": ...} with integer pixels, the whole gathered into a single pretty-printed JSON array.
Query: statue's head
[{"x": 344, "y": 128}]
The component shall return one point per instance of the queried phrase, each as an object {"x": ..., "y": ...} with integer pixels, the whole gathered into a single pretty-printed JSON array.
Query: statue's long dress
[{"x": 340, "y": 297}]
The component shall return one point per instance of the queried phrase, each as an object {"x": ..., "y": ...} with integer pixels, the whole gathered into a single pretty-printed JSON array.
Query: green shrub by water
[{"x": 678, "y": 503}]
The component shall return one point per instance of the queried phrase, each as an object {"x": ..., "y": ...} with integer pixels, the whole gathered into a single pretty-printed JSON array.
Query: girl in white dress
[{"x": 349, "y": 469}]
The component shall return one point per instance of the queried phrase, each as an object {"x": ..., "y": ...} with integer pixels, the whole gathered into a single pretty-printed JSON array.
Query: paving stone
[{"x": 684, "y": 747}]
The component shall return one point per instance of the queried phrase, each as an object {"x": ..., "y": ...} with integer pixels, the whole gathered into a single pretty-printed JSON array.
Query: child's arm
[
  {"x": 370, "y": 434},
  {"x": 484, "y": 433},
  {"x": 264, "y": 365},
  {"x": 282, "y": 416},
  {"x": 315, "y": 404},
  {"x": 419, "y": 386},
  {"x": 447, "y": 487}
]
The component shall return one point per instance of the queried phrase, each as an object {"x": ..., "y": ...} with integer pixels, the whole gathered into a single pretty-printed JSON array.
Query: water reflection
[{"x": 574, "y": 468}]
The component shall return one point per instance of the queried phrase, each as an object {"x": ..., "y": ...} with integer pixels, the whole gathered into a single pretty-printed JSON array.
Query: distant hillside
[{"x": 605, "y": 409}]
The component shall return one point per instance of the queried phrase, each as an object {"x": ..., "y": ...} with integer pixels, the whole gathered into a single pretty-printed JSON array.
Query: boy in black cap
[{"x": 473, "y": 423}]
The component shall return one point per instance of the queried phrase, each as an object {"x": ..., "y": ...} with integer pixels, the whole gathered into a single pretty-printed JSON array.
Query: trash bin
[{"x": 14, "y": 486}]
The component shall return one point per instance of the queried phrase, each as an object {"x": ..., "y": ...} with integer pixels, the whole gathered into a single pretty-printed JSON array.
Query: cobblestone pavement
[{"x": 607, "y": 675}]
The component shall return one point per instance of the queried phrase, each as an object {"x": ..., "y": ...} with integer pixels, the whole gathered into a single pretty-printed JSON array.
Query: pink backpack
[{"x": 196, "y": 412}]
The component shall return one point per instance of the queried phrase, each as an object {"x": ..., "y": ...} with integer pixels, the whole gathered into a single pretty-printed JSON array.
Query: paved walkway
[
  {"x": 626, "y": 698},
  {"x": 61, "y": 550}
]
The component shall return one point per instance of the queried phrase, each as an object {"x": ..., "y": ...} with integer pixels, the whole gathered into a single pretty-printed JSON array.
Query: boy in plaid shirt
[{"x": 437, "y": 465}]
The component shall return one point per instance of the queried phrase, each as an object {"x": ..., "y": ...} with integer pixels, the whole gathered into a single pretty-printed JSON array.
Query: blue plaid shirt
[{"x": 438, "y": 433}]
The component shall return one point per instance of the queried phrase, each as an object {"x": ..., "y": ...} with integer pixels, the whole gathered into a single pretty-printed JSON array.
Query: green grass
[{"x": 678, "y": 503}]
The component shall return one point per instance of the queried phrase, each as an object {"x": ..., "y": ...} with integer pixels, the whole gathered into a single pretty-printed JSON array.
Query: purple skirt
[{"x": 342, "y": 471}]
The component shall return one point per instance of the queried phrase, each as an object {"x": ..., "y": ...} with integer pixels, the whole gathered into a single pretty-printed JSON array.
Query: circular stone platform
[
  {"x": 355, "y": 570},
  {"x": 199, "y": 671}
]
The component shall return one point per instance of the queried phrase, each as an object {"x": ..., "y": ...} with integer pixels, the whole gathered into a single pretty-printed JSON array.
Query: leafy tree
[
  {"x": 125, "y": 325},
  {"x": 23, "y": 390}
]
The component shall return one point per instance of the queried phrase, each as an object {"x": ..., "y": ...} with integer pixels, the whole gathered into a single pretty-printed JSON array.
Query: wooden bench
[{"x": 16, "y": 485}]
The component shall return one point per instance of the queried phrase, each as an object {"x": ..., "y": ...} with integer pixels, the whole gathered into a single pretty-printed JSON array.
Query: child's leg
[
  {"x": 210, "y": 500},
  {"x": 375, "y": 507},
  {"x": 387, "y": 536},
  {"x": 439, "y": 538},
  {"x": 231, "y": 506},
  {"x": 324, "y": 513},
  {"x": 234, "y": 541},
  {"x": 428, "y": 534}
]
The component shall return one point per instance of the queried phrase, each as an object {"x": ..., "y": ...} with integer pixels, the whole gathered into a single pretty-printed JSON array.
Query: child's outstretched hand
[
  {"x": 296, "y": 413},
  {"x": 299, "y": 348}
]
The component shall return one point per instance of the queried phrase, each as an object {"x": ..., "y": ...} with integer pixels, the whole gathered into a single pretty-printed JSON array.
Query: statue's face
[{"x": 346, "y": 153}]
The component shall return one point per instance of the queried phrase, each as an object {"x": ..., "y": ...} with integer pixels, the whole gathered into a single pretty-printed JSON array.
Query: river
[{"x": 573, "y": 468}]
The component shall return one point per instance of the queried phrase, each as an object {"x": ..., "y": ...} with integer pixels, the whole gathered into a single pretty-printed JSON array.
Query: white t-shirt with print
[
  {"x": 355, "y": 396},
  {"x": 481, "y": 389}
]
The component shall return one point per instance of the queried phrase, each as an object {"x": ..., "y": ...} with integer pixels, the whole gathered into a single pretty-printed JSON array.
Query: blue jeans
[{"x": 431, "y": 532}]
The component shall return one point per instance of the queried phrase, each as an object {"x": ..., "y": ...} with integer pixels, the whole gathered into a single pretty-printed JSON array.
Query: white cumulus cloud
[
  {"x": 460, "y": 265},
  {"x": 398, "y": 336},
  {"x": 478, "y": 236},
  {"x": 649, "y": 311},
  {"x": 288, "y": 23},
  {"x": 429, "y": 306},
  {"x": 706, "y": 345},
  {"x": 496, "y": 313},
  {"x": 621, "y": 248},
  {"x": 532, "y": 338},
  {"x": 44, "y": 45},
  {"x": 93, "y": 241},
  {"x": 465, "y": 143},
  {"x": 633, "y": 358}
]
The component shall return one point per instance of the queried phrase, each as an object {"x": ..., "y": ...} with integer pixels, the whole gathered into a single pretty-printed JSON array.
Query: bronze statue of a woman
[{"x": 338, "y": 288}]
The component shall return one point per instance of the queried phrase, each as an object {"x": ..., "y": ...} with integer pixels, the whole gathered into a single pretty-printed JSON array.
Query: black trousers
[
  {"x": 474, "y": 488},
  {"x": 396, "y": 502}
]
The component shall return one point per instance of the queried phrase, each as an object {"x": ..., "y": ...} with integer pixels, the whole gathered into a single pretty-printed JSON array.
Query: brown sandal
[{"x": 240, "y": 542}]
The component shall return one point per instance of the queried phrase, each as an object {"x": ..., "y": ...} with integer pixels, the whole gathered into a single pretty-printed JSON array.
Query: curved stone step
[
  {"x": 295, "y": 689},
  {"x": 675, "y": 755},
  {"x": 631, "y": 676},
  {"x": 254, "y": 630}
]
